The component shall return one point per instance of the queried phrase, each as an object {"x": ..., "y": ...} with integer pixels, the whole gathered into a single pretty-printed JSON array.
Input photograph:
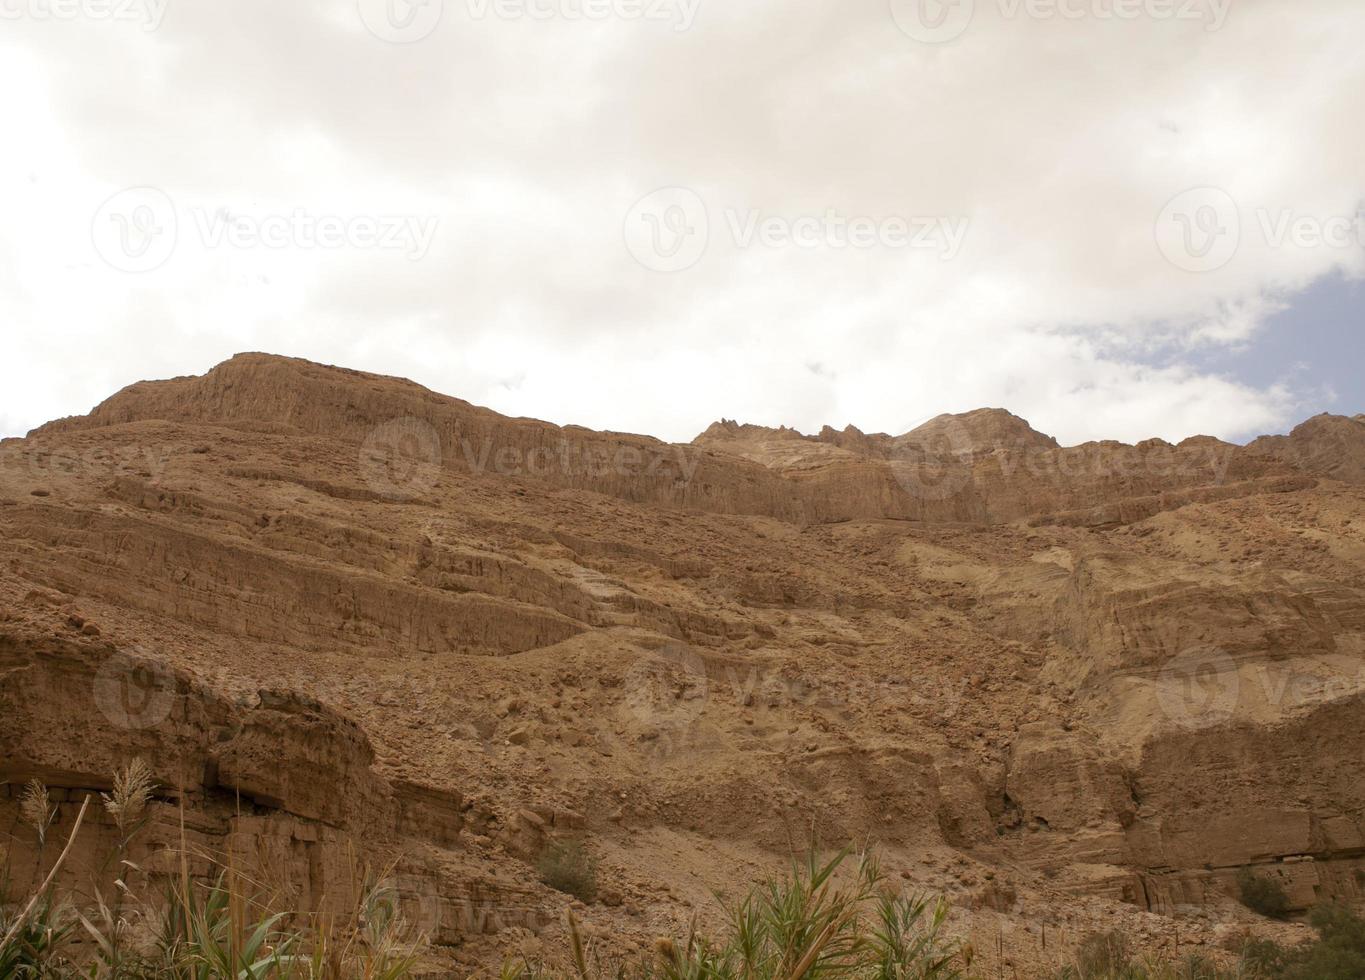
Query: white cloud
[{"x": 1059, "y": 142}]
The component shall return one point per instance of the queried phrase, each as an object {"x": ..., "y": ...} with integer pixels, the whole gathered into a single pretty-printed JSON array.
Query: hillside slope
[{"x": 1067, "y": 685}]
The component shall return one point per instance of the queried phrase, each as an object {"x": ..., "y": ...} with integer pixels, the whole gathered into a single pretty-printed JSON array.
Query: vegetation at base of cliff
[
  {"x": 567, "y": 867},
  {"x": 1338, "y": 953},
  {"x": 1262, "y": 894},
  {"x": 226, "y": 929},
  {"x": 803, "y": 925},
  {"x": 1108, "y": 956},
  {"x": 820, "y": 921},
  {"x": 806, "y": 925}
]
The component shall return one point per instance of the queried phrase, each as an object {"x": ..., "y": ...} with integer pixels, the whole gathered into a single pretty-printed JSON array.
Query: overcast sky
[{"x": 1117, "y": 218}]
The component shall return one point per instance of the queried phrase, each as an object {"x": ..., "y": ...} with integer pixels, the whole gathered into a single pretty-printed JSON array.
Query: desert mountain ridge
[
  {"x": 338, "y": 613},
  {"x": 981, "y": 429},
  {"x": 984, "y": 466}
]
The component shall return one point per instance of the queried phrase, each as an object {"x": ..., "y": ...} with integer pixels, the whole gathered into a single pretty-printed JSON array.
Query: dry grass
[
  {"x": 832, "y": 919},
  {"x": 36, "y": 809},
  {"x": 133, "y": 789},
  {"x": 193, "y": 929}
]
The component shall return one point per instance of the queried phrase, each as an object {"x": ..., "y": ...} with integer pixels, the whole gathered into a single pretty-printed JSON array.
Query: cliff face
[
  {"x": 335, "y": 610},
  {"x": 986, "y": 466}
]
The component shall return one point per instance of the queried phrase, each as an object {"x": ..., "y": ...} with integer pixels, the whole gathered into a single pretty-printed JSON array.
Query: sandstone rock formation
[{"x": 340, "y": 614}]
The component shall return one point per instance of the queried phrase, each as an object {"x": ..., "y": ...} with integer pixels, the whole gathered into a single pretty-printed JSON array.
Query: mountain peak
[
  {"x": 729, "y": 430},
  {"x": 980, "y": 430}
]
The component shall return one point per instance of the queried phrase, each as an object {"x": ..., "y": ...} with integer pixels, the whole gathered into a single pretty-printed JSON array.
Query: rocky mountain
[{"x": 339, "y": 613}]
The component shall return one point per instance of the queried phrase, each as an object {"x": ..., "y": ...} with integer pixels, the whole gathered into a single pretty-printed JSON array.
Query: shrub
[
  {"x": 802, "y": 925},
  {"x": 1263, "y": 958},
  {"x": 1103, "y": 955},
  {"x": 1192, "y": 967},
  {"x": 36, "y": 947},
  {"x": 1338, "y": 953},
  {"x": 1262, "y": 894},
  {"x": 566, "y": 866},
  {"x": 217, "y": 930},
  {"x": 1107, "y": 956}
]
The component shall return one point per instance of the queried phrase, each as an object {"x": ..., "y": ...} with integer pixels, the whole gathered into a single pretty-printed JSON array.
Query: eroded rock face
[
  {"x": 75, "y": 710},
  {"x": 985, "y": 466},
  {"x": 278, "y": 784},
  {"x": 1327, "y": 444},
  {"x": 340, "y": 614}
]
